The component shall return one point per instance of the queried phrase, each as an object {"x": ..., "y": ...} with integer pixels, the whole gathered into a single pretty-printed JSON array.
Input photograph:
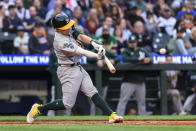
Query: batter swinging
[{"x": 70, "y": 73}]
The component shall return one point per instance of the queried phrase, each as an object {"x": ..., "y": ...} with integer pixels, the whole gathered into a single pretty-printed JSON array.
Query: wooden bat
[{"x": 109, "y": 64}]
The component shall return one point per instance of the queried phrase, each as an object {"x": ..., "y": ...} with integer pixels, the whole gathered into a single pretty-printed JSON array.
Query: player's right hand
[{"x": 101, "y": 50}]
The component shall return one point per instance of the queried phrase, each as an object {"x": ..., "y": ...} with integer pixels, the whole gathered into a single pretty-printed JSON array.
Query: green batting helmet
[{"x": 62, "y": 22}]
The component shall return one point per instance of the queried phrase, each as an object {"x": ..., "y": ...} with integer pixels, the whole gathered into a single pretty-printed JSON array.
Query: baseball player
[{"x": 70, "y": 73}]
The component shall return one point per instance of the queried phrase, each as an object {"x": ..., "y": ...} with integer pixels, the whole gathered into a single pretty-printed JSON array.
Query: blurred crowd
[{"x": 25, "y": 25}]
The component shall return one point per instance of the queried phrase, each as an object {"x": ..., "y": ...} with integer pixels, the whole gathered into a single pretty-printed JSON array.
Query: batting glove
[{"x": 96, "y": 44}]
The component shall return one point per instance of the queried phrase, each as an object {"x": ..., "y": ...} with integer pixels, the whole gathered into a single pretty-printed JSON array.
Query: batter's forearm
[
  {"x": 84, "y": 38},
  {"x": 86, "y": 53}
]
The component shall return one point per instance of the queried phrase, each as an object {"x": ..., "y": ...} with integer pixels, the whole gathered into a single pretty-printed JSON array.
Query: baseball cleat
[
  {"x": 114, "y": 118},
  {"x": 34, "y": 112}
]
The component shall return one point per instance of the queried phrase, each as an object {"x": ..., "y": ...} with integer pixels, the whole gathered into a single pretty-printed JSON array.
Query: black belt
[{"x": 70, "y": 65}]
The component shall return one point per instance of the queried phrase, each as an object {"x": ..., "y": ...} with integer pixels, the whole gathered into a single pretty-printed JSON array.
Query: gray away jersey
[{"x": 65, "y": 47}]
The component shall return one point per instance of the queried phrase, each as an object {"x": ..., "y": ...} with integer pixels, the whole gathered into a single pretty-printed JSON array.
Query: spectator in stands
[
  {"x": 107, "y": 22},
  {"x": 2, "y": 15},
  {"x": 50, "y": 5},
  {"x": 134, "y": 82},
  {"x": 21, "y": 12},
  {"x": 121, "y": 44},
  {"x": 85, "y": 6},
  {"x": 12, "y": 21},
  {"x": 57, "y": 9},
  {"x": 21, "y": 41},
  {"x": 176, "y": 5},
  {"x": 106, "y": 7},
  {"x": 116, "y": 13},
  {"x": 39, "y": 42},
  {"x": 148, "y": 7},
  {"x": 144, "y": 38},
  {"x": 172, "y": 92},
  {"x": 45, "y": 3},
  {"x": 187, "y": 20},
  {"x": 158, "y": 7},
  {"x": 108, "y": 40},
  {"x": 172, "y": 42},
  {"x": 6, "y": 4},
  {"x": 66, "y": 10},
  {"x": 30, "y": 23},
  {"x": 139, "y": 4},
  {"x": 71, "y": 4},
  {"x": 28, "y": 3},
  {"x": 50, "y": 28},
  {"x": 166, "y": 22},
  {"x": 123, "y": 5},
  {"x": 41, "y": 11},
  {"x": 189, "y": 8},
  {"x": 92, "y": 22},
  {"x": 126, "y": 33},
  {"x": 9, "y": 28},
  {"x": 98, "y": 6},
  {"x": 151, "y": 22},
  {"x": 132, "y": 17},
  {"x": 193, "y": 37},
  {"x": 77, "y": 17},
  {"x": 183, "y": 47}
]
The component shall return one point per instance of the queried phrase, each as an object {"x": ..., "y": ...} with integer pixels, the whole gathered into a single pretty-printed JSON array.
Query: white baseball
[{"x": 162, "y": 51}]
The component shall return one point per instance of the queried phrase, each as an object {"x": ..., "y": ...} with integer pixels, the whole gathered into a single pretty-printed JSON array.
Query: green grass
[
  {"x": 100, "y": 118},
  {"x": 92, "y": 127},
  {"x": 95, "y": 128}
]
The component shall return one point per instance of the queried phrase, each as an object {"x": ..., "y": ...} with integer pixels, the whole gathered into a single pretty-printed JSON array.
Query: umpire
[{"x": 134, "y": 82}]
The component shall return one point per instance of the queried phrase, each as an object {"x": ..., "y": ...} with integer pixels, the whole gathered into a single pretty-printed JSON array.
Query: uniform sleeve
[{"x": 76, "y": 32}]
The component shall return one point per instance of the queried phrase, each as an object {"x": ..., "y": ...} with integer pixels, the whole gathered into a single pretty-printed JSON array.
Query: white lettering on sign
[
  {"x": 43, "y": 59},
  {"x": 11, "y": 60},
  {"x": 187, "y": 59},
  {"x": 156, "y": 60},
  {"x": 176, "y": 59},
  {"x": 31, "y": 59}
]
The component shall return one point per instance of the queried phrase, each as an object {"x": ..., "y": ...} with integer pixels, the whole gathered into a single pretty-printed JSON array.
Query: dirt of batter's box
[{"x": 168, "y": 123}]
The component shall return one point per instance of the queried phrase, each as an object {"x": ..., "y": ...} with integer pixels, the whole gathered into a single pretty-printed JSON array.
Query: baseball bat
[{"x": 109, "y": 64}]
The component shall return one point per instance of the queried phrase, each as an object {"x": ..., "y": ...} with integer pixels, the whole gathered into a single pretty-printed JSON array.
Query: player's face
[{"x": 132, "y": 45}]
